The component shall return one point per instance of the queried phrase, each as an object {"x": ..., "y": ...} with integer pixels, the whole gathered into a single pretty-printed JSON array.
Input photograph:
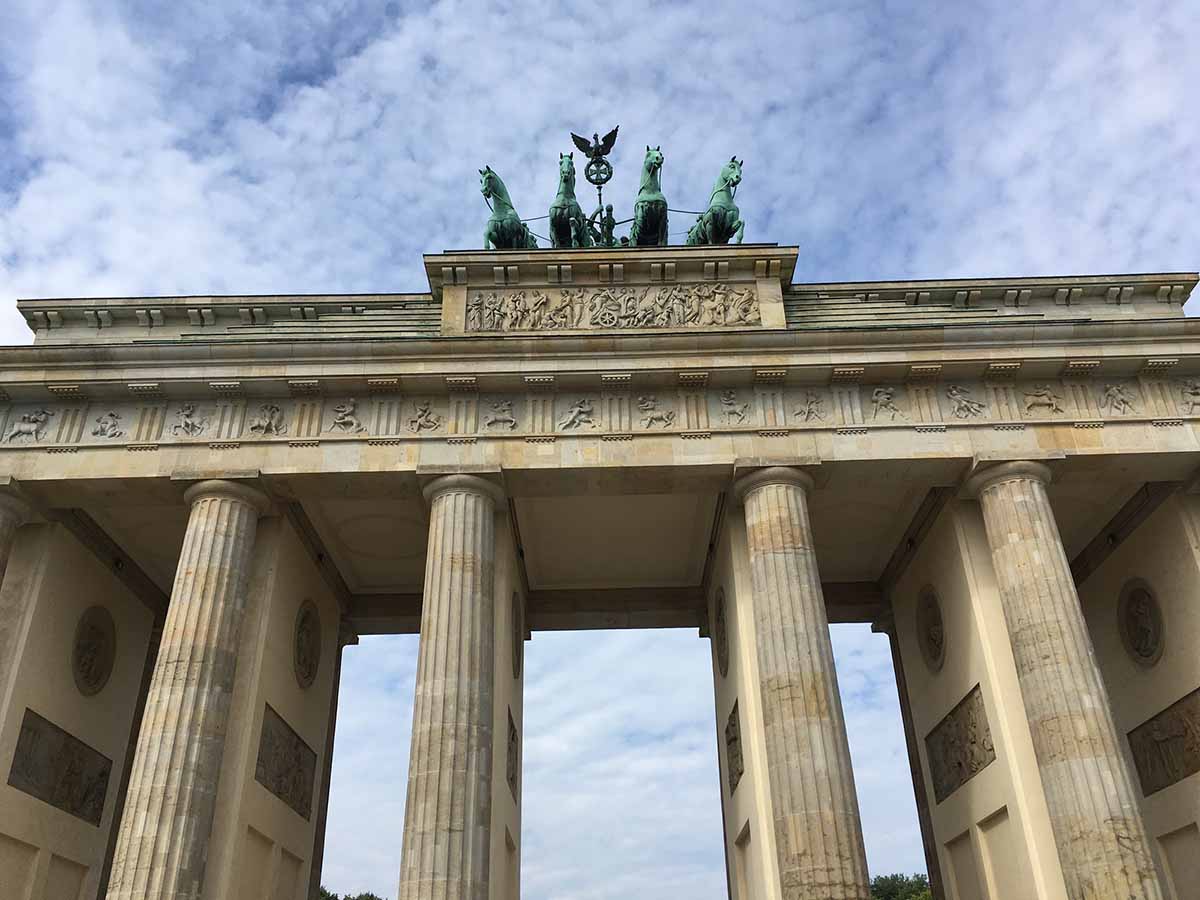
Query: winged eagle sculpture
[{"x": 596, "y": 148}]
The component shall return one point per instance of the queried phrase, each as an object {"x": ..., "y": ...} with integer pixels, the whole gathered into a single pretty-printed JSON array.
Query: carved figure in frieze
[
  {"x": 652, "y": 415},
  {"x": 189, "y": 424},
  {"x": 345, "y": 419},
  {"x": 813, "y": 408},
  {"x": 269, "y": 420},
  {"x": 475, "y": 312},
  {"x": 742, "y": 308},
  {"x": 424, "y": 418},
  {"x": 1190, "y": 391},
  {"x": 30, "y": 425},
  {"x": 501, "y": 414},
  {"x": 108, "y": 425},
  {"x": 1166, "y": 747},
  {"x": 1043, "y": 398},
  {"x": 538, "y": 304},
  {"x": 1116, "y": 400},
  {"x": 964, "y": 406},
  {"x": 732, "y": 409},
  {"x": 960, "y": 746},
  {"x": 712, "y": 304},
  {"x": 884, "y": 400},
  {"x": 580, "y": 413}
]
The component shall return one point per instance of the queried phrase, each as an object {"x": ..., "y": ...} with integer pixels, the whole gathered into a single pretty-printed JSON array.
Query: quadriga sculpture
[
  {"x": 568, "y": 227},
  {"x": 721, "y": 221},
  {"x": 649, "y": 227}
]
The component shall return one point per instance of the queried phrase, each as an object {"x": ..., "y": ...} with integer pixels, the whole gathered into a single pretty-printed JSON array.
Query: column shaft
[
  {"x": 1102, "y": 843},
  {"x": 13, "y": 513},
  {"x": 165, "y": 829},
  {"x": 447, "y": 819},
  {"x": 345, "y": 637},
  {"x": 818, "y": 833}
]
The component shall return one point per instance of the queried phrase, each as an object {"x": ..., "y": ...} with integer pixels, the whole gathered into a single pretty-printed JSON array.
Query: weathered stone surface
[
  {"x": 161, "y": 850},
  {"x": 818, "y": 832},
  {"x": 57, "y": 767},
  {"x": 960, "y": 746},
  {"x": 733, "y": 748},
  {"x": 1102, "y": 843},
  {"x": 447, "y": 818},
  {"x": 286, "y": 766},
  {"x": 13, "y": 512},
  {"x": 1166, "y": 747}
]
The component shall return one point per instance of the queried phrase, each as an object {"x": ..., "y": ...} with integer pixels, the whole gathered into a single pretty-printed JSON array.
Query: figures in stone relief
[
  {"x": 424, "y": 418},
  {"x": 1116, "y": 400},
  {"x": 501, "y": 414},
  {"x": 813, "y": 408},
  {"x": 189, "y": 424},
  {"x": 652, "y": 415},
  {"x": 731, "y": 409},
  {"x": 964, "y": 406},
  {"x": 269, "y": 421},
  {"x": 30, "y": 425},
  {"x": 1043, "y": 397},
  {"x": 1190, "y": 391},
  {"x": 579, "y": 413},
  {"x": 108, "y": 425},
  {"x": 345, "y": 419},
  {"x": 884, "y": 400},
  {"x": 614, "y": 306}
]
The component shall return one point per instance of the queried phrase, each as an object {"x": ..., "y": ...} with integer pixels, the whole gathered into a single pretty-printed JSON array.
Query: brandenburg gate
[{"x": 205, "y": 499}]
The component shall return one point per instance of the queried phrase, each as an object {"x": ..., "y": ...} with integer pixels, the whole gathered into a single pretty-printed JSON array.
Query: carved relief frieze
[
  {"x": 345, "y": 419},
  {"x": 94, "y": 650},
  {"x": 109, "y": 425},
  {"x": 269, "y": 421},
  {"x": 931, "y": 630},
  {"x": 733, "y": 748},
  {"x": 960, "y": 746},
  {"x": 1116, "y": 399},
  {"x": 1140, "y": 623},
  {"x": 1041, "y": 399},
  {"x": 579, "y": 415},
  {"x": 424, "y": 418},
  {"x": 811, "y": 408},
  {"x": 652, "y": 415},
  {"x": 499, "y": 416},
  {"x": 29, "y": 427},
  {"x": 705, "y": 305},
  {"x": 58, "y": 768},
  {"x": 1166, "y": 747},
  {"x": 734, "y": 410},
  {"x": 306, "y": 645},
  {"x": 189, "y": 422},
  {"x": 286, "y": 765},
  {"x": 883, "y": 405},
  {"x": 1189, "y": 396},
  {"x": 962, "y": 404}
]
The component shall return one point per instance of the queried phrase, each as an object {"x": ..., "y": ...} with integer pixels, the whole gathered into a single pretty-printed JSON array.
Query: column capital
[
  {"x": 1018, "y": 470},
  {"x": 472, "y": 484},
  {"x": 15, "y": 507},
  {"x": 228, "y": 490},
  {"x": 772, "y": 475}
]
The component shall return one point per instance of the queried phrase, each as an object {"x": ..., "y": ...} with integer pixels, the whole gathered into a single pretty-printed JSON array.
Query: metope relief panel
[
  {"x": 269, "y": 419},
  {"x": 577, "y": 414},
  {"x": 286, "y": 765},
  {"x": 809, "y": 407},
  {"x": 498, "y": 415},
  {"x": 345, "y": 416},
  {"x": 1166, "y": 747},
  {"x": 886, "y": 400},
  {"x": 58, "y": 768},
  {"x": 31, "y": 425},
  {"x": 655, "y": 412},
  {"x": 673, "y": 306},
  {"x": 960, "y": 746}
]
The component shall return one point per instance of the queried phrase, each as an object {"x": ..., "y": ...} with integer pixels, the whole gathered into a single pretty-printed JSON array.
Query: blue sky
[{"x": 323, "y": 145}]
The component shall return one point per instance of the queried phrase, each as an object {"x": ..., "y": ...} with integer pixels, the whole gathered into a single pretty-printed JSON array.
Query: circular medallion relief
[
  {"x": 518, "y": 634},
  {"x": 307, "y": 649},
  {"x": 721, "y": 633},
  {"x": 1140, "y": 620},
  {"x": 931, "y": 632},
  {"x": 94, "y": 650}
]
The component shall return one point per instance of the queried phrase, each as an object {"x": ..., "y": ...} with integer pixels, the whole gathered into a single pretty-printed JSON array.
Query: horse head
[
  {"x": 654, "y": 159},
  {"x": 731, "y": 172},
  {"x": 566, "y": 169}
]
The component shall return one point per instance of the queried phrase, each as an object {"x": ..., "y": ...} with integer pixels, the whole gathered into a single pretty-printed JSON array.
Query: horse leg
[{"x": 740, "y": 228}]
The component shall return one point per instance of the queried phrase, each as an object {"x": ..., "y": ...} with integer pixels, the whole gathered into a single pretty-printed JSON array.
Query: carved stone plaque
[
  {"x": 518, "y": 634},
  {"x": 960, "y": 746},
  {"x": 1166, "y": 747},
  {"x": 1140, "y": 621},
  {"x": 721, "y": 634},
  {"x": 94, "y": 650},
  {"x": 60, "y": 769},
  {"x": 704, "y": 305},
  {"x": 307, "y": 648},
  {"x": 513, "y": 761},
  {"x": 286, "y": 765},
  {"x": 931, "y": 633},
  {"x": 733, "y": 748}
]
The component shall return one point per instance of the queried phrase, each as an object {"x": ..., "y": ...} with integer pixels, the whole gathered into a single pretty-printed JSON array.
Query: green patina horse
[
  {"x": 721, "y": 221},
  {"x": 568, "y": 227},
  {"x": 505, "y": 230},
  {"x": 649, "y": 227}
]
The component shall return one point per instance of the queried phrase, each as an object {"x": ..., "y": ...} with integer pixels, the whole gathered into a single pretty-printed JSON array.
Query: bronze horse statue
[
  {"x": 568, "y": 227},
  {"x": 649, "y": 227},
  {"x": 721, "y": 221},
  {"x": 505, "y": 230}
]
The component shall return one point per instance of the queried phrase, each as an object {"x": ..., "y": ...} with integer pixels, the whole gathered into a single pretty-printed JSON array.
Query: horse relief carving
[
  {"x": 30, "y": 425},
  {"x": 652, "y": 415},
  {"x": 669, "y": 306},
  {"x": 345, "y": 419}
]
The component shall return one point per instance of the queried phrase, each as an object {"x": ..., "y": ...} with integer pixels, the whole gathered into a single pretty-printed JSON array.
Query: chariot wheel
[{"x": 598, "y": 171}]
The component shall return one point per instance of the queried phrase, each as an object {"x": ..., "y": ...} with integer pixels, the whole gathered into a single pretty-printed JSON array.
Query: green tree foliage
[
  {"x": 326, "y": 894},
  {"x": 900, "y": 887}
]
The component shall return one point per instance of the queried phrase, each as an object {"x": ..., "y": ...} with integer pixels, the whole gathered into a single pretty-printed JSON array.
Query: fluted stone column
[
  {"x": 818, "y": 833},
  {"x": 1102, "y": 843},
  {"x": 15, "y": 603},
  {"x": 14, "y": 512},
  {"x": 447, "y": 819},
  {"x": 166, "y": 825}
]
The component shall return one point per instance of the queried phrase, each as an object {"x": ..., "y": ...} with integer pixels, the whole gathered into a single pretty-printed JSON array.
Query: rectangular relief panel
[
  {"x": 60, "y": 769},
  {"x": 286, "y": 765},
  {"x": 960, "y": 746},
  {"x": 1166, "y": 747}
]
